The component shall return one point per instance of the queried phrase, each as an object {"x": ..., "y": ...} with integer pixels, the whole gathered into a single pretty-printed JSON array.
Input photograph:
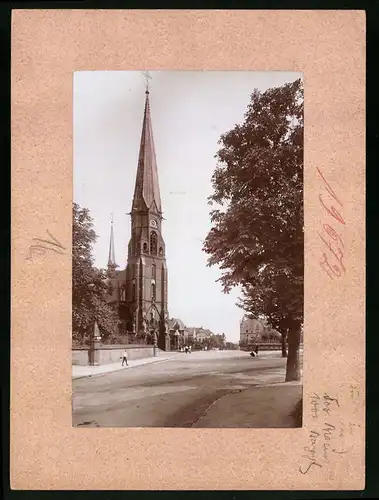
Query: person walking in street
[
  {"x": 186, "y": 349},
  {"x": 256, "y": 349},
  {"x": 124, "y": 358}
]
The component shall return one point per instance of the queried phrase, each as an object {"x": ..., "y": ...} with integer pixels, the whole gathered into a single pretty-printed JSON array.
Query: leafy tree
[
  {"x": 257, "y": 226},
  {"x": 89, "y": 284},
  {"x": 231, "y": 346}
]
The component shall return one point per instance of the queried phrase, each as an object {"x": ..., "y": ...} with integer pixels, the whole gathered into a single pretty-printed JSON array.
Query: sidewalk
[
  {"x": 263, "y": 406},
  {"x": 79, "y": 371}
]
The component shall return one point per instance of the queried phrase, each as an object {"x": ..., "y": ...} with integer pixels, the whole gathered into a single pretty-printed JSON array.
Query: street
[{"x": 174, "y": 393}]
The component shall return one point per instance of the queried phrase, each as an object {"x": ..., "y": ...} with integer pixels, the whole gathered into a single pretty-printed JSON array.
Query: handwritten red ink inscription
[{"x": 332, "y": 257}]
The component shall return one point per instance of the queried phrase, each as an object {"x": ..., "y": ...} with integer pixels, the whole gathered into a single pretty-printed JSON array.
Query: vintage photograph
[{"x": 187, "y": 249}]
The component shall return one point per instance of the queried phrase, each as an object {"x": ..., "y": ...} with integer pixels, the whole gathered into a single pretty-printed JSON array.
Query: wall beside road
[
  {"x": 263, "y": 346},
  {"x": 111, "y": 353}
]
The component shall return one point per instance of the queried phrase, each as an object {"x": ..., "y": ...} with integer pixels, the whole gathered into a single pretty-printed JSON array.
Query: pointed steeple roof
[
  {"x": 96, "y": 331},
  {"x": 146, "y": 191},
  {"x": 111, "y": 255}
]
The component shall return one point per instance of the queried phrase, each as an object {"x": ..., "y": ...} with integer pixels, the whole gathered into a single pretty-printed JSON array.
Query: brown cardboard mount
[{"x": 46, "y": 451}]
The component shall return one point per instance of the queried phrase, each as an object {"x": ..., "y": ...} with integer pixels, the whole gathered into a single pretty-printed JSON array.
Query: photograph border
[{"x": 37, "y": 87}]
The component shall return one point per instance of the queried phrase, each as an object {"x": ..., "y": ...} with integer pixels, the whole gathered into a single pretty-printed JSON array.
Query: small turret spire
[{"x": 111, "y": 256}]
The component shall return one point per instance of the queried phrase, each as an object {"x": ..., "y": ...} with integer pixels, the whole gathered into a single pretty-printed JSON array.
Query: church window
[
  {"x": 153, "y": 243},
  {"x": 153, "y": 291},
  {"x": 153, "y": 271},
  {"x": 160, "y": 251},
  {"x": 134, "y": 291},
  {"x": 145, "y": 247}
]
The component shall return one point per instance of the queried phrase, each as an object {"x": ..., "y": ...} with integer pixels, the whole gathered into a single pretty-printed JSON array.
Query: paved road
[{"x": 173, "y": 393}]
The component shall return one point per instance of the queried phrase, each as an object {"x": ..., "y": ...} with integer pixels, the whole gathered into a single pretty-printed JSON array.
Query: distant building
[
  {"x": 200, "y": 334},
  {"x": 181, "y": 335},
  {"x": 178, "y": 333},
  {"x": 253, "y": 331}
]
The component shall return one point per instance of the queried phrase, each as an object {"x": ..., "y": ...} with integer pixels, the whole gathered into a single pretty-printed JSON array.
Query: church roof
[
  {"x": 203, "y": 332},
  {"x": 146, "y": 193},
  {"x": 175, "y": 323},
  {"x": 116, "y": 283}
]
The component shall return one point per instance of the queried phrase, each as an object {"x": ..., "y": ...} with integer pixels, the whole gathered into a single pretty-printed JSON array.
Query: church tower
[{"x": 146, "y": 271}]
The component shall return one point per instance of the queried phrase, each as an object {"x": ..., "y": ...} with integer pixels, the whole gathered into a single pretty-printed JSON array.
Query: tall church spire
[
  {"x": 146, "y": 270},
  {"x": 146, "y": 193},
  {"x": 111, "y": 256}
]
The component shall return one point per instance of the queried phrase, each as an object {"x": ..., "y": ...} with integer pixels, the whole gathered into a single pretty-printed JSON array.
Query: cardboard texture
[{"x": 46, "y": 451}]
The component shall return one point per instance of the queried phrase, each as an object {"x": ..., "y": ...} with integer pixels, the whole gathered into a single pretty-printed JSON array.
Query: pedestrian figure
[
  {"x": 124, "y": 358},
  {"x": 186, "y": 349},
  {"x": 190, "y": 349},
  {"x": 256, "y": 349}
]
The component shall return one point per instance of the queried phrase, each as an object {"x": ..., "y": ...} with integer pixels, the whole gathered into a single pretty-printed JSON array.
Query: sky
[{"x": 190, "y": 110}]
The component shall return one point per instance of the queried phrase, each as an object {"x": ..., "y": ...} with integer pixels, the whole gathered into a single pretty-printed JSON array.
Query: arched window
[
  {"x": 153, "y": 291},
  {"x": 160, "y": 251},
  {"x": 153, "y": 243},
  {"x": 145, "y": 247},
  {"x": 154, "y": 271}
]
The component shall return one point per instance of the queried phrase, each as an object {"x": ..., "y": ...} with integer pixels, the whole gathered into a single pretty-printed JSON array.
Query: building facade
[
  {"x": 178, "y": 332},
  {"x": 253, "y": 331},
  {"x": 200, "y": 334}
]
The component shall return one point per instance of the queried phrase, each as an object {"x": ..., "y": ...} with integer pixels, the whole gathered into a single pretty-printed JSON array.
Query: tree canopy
[
  {"x": 217, "y": 341},
  {"x": 257, "y": 237},
  {"x": 89, "y": 284}
]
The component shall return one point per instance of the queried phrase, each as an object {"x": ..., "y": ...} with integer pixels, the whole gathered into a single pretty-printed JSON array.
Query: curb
[{"x": 120, "y": 368}]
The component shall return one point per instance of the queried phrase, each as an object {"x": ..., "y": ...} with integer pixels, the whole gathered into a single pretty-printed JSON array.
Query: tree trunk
[
  {"x": 284, "y": 347},
  {"x": 293, "y": 359}
]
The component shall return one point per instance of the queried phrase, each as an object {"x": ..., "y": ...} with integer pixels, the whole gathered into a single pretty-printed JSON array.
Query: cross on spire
[{"x": 147, "y": 76}]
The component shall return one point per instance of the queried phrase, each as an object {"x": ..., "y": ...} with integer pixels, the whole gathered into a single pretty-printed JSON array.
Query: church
[{"x": 139, "y": 292}]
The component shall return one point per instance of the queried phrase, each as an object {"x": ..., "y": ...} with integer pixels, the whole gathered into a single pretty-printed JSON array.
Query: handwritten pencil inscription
[
  {"x": 332, "y": 257},
  {"x": 41, "y": 246},
  {"x": 326, "y": 439},
  {"x": 310, "y": 453}
]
